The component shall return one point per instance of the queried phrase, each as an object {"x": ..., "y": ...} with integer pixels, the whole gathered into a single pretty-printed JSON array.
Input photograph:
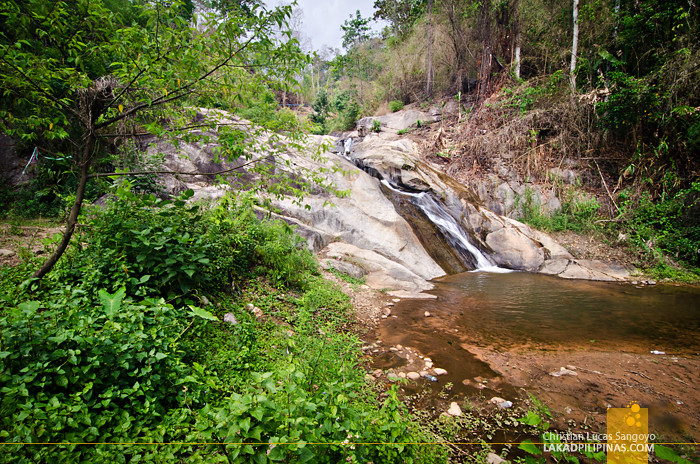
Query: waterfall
[
  {"x": 448, "y": 225},
  {"x": 466, "y": 254},
  {"x": 347, "y": 147}
]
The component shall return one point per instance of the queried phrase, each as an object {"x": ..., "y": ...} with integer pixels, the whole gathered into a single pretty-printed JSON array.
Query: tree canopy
[{"x": 76, "y": 75}]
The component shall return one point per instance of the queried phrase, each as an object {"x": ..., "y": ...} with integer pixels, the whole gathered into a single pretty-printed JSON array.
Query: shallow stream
[{"x": 521, "y": 312}]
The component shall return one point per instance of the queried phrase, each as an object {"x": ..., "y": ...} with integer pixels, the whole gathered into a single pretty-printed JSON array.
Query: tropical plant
[{"x": 76, "y": 76}]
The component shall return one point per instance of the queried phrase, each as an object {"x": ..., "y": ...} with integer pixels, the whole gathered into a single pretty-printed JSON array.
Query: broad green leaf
[
  {"x": 666, "y": 453},
  {"x": 203, "y": 313},
  {"x": 529, "y": 447},
  {"x": 111, "y": 303}
]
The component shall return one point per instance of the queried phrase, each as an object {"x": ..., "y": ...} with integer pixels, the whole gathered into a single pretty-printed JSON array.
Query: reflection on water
[{"x": 510, "y": 310}]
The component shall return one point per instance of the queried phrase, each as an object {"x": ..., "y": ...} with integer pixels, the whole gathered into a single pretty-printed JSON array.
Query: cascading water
[
  {"x": 464, "y": 255},
  {"x": 453, "y": 232}
]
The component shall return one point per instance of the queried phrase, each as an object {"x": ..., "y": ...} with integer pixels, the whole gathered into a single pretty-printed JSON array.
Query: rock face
[
  {"x": 395, "y": 122},
  {"x": 366, "y": 234}
]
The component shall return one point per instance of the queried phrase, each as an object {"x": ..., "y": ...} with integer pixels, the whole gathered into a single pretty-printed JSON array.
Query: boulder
[
  {"x": 514, "y": 250},
  {"x": 382, "y": 273}
]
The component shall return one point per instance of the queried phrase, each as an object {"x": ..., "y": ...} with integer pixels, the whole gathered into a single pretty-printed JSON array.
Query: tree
[
  {"x": 401, "y": 14},
  {"x": 429, "y": 74},
  {"x": 76, "y": 75},
  {"x": 355, "y": 32},
  {"x": 574, "y": 49}
]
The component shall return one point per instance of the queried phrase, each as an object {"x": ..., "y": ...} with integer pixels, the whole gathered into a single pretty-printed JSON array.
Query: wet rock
[
  {"x": 386, "y": 311},
  {"x": 590, "y": 269},
  {"x": 496, "y": 400},
  {"x": 428, "y": 365},
  {"x": 413, "y": 375},
  {"x": 230, "y": 318},
  {"x": 399, "y": 347},
  {"x": 454, "y": 409},
  {"x": 427, "y": 314},
  {"x": 396, "y": 300},
  {"x": 505, "y": 405},
  {"x": 402, "y": 375},
  {"x": 440, "y": 371},
  {"x": 382, "y": 272},
  {"x": 563, "y": 371},
  {"x": 377, "y": 373}
]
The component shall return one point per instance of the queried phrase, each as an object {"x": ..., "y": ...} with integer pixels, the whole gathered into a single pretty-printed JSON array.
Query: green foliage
[
  {"x": 141, "y": 242},
  {"x": 669, "y": 226},
  {"x": 376, "y": 125},
  {"x": 395, "y": 105},
  {"x": 97, "y": 354},
  {"x": 339, "y": 112},
  {"x": 347, "y": 277},
  {"x": 72, "y": 371},
  {"x": 577, "y": 213},
  {"x": 262, "y": 110},
  {"x": 355, "y": 30}
]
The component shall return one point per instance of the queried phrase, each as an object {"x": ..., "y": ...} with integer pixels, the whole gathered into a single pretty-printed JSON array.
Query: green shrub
[
  {"x": 75, "y": 372},
  {"x": 395, "y": 105},
  {"x": 669, "y": 226},
  {"x": 576, "y": 214},
  {"x": 97, "y": 354}
]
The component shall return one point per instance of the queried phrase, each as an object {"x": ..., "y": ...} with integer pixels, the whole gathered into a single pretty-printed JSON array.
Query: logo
[{"x": 628, "y": 435}]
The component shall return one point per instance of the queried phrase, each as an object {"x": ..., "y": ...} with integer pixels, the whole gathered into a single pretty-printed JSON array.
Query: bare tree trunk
[
  {"x": 517, "y": 55},
  {"x": 429, "y": 83},
  {"x": 85, "y": 162},
  {"x": 487, "y": 47},
  {"x": 574, "y": 49}
]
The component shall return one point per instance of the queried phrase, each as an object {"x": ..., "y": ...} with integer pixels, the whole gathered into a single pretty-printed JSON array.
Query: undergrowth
[{"x": 143, "y": 334}]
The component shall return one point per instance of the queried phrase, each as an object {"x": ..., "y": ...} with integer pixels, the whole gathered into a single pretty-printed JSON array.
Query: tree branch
[
  {"x": 177, "y": 129},
  {"x": 163, "y": 98},
  {"x": 45, "y": 93},
  {"x": 179, "y": 173}
]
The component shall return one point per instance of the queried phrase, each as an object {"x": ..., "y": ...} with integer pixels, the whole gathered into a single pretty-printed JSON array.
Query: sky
[{"x": 323, "y": 18}]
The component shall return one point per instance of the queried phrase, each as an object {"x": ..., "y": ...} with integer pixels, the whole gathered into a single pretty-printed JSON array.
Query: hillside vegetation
[{"x": 620, "y": 103}]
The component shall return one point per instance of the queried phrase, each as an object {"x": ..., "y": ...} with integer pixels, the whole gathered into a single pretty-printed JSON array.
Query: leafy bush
[
  {"x": 395, "y": 105},
  {"x": 576, "y": 214},
  {"x": 97, "y": 354},
  {"x": 670, "y": 226},
  {"x": 74, "y": 372}
]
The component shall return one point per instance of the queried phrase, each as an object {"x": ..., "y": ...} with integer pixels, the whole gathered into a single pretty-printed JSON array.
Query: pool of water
[{"x": 520, "y": 309}]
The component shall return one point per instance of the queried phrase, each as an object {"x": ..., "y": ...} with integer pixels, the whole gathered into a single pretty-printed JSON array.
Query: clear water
[{"x": 522, "y": 309}]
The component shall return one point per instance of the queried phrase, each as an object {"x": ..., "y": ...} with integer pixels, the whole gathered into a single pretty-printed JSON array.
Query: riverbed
[{"x": 506, "y": 334}]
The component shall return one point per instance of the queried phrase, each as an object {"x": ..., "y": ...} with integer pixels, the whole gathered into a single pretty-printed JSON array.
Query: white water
[{"x": 450, "y": 227}]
